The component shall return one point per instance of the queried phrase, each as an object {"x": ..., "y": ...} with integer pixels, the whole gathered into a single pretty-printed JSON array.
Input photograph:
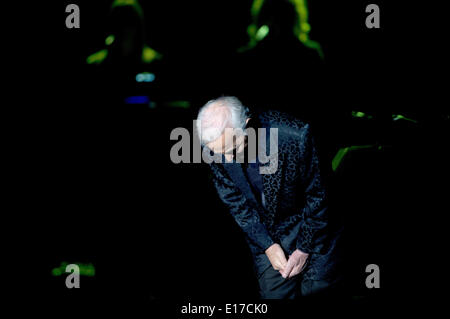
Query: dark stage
[{"x": 151, "y": 235}]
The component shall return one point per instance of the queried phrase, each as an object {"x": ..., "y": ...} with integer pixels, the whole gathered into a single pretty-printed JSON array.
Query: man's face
[{"x": 228, "y": 142}]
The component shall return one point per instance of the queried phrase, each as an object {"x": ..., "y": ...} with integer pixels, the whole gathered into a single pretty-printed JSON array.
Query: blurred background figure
[
  {"x": 263, "y": 21},
  {"x": 125, "y": 43},
  {"x": 128, "y": 66},
  {"x": 280, "y": 66}
]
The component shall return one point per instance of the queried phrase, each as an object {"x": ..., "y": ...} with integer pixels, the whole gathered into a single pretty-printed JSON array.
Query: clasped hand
[{"x": 290, "y": 267}]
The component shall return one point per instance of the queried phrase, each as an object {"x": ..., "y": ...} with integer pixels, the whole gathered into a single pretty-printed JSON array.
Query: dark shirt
[
  {"x": 251, "y": 168},
  {"x": 254, "y": 179}
]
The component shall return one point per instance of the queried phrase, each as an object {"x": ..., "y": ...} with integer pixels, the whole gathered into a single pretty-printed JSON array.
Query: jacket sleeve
[
  {"x": 315, "y": 213},
  {"x": 246, "y": 216}
]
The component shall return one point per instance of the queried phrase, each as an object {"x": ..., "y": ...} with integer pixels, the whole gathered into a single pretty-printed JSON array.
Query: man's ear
[{"x": 246, "y": 121}]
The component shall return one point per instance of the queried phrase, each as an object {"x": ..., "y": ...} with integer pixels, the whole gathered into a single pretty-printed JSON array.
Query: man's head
[{"x": 221, "y": 124}]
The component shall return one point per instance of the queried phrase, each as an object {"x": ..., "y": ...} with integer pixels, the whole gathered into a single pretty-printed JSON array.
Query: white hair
[{"x": 218, "y": 114}]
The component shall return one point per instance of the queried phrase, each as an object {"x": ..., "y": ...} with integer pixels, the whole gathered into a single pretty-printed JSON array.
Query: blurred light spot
[
  {"x": 148, "y": 55},
  {"x": 338, "y": 158},
  {"x": 56, "y": 272},
  {"x": 85, "y": 269},
  {"x": 358, "y": 114},
  {"x": 262, "y": 32},
  {"x": 256, "y": 7},
  {"x": 145, "y": 77},
  {"x": 181, "y": 104},
  {"x": 396, "y": 117},
  {"x": 109, "y": 39},
  {"x": 138, "y": 99},
  {"x": 97, "y": 57},
  {"x": 342, "y": 152},
  {"x": 124, "y": 3},
  {"x": 361, "y": 115}
]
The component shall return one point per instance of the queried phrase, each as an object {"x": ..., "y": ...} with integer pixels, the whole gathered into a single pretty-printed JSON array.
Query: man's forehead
[{"x": 215, "y": 113}]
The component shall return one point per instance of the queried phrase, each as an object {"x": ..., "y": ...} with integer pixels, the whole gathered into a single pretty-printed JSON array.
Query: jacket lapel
[{"x": 271, "y": 182}]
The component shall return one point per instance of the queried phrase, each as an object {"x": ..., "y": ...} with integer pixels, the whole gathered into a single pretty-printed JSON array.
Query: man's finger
[
  {"x": 295, "y": 271},
  {"x": 298, "y": 269},
  {"x": 288, "y": 268}
]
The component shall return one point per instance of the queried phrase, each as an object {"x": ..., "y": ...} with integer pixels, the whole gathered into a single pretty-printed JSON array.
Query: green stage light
[
  {"x": 97, "y": 57},
  {"x": 85, "y": 269},
  {"x": 110, "y": 39},
  {"x": 262, "y": 32}
]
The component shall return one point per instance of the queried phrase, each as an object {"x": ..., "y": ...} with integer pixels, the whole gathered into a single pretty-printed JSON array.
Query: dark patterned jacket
[{"x": 295, "y": 210}]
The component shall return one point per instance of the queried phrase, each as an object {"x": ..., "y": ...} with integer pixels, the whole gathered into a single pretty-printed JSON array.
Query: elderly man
[{"x": 282, "y": 212}]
